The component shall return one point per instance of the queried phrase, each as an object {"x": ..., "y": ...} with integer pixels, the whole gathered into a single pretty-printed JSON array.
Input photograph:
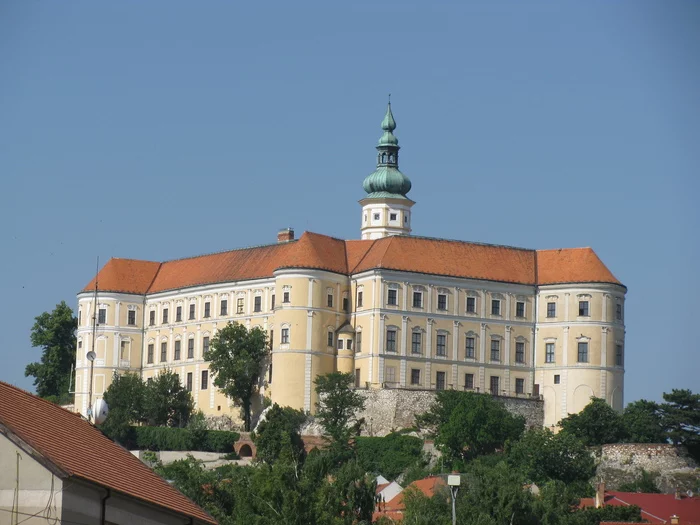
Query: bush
[
  {"x": 390, "y": 455},
  {"x": 168, "y": 438},
  {"x": 220, "y": 441}
]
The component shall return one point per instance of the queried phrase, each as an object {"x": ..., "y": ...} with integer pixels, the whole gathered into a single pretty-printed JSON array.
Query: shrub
[
  {"x": 168, "y": 438},
  {"x": 390, "y": 455},
  {"x": 220, "y": 441}
]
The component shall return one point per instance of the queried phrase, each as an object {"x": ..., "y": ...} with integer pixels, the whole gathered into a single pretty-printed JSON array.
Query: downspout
[
  {"x": 104, "y": 506},
  {"x": 534, "y": 333}
]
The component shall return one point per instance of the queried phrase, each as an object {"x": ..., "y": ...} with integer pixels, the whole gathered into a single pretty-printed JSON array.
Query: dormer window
[{"x": 393, "y": 216}]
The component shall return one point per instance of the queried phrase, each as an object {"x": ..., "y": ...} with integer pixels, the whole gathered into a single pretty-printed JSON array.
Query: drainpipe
[{"x": 104, "y": 506}]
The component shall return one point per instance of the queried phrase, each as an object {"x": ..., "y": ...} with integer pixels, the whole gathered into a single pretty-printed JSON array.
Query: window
[
  {"x": 416, "y": 341},
  {"x": 80, "y": 344},
  {"x": 165, "y": 316},
  {"x": 205, "y": 345},
  {"x": 520, "y": 309},
  {"x": 330, "y": 338},
  {"x": 285, "y": 297},
  {"x": 348, "y": 345},
  {"x": 131, "y": 318},
  {"x": 207, "y": 309},
  {"x": 339, "y": 344},
  {"x": 204, "y": 385},
  {"x": 494, "y": 384},
  {"x": 163, "y": 351},
  {"x": 441, "y": 345},
  {"x": 549, "y": 353},
  {"x": 519, "y": 386},
  {"x": 618, "y": 311},
  {"x": 269, "y": 373},
  {"x": 123, "y": 353},
  {"x": 80, "y": 317},
  {"x": 329, "y": 300},
  {"x": 189, "y": 381},
  {"x": 440, "y": 380},
  {"x": 618, "y": 355},
  {"x": 257, "y": 304},
  {"x": 417, "y": 300},
  {"x": 285, "y": 336},
  {"x": 583, "y": 308},
  {"x": 150, "y": 354},
  {"x": 177, "y": 351},
  {"x": 471, "y": 305},
  {"x": 102, "y": 316},
  {"x": 391, "y": 299},
  {"x": 272, "y": 338},
  {"x": 224, "y": 307},
  {"x": 357, "y": 378},
  {"x": 272, "y": 302},
  {"x": 376, "y": 216},
  {"x": 469, "y": 348},
  {"x": 557, "y": 379},
  {"x": 359, "y": 299},
  {"x": 190, "y": 349},
  {"x": 583, "y": 352},
  {"x": 178, "y": 314},
  {"x": 551, "y": 309},
  {"x": 192, "y": 308},
  {"x": 495, "y": 350},
  {"x": 442, "y": 301},
  {"x": 469, "y": 381},
  {"x": 346, "y": 305},
  {"x": 358, "y": 339},
  {"x": 495, "y": 307},
  {"x": 519, "y": 352},
  {"x": 415, "y": 376},
  {"x": 391, "y": 340},
  {"x": 391, "y": 374},
  {"x": 152, "y": 318},
  {"x": 239, "y": 305},
  {"x": 392, "y": 216}
]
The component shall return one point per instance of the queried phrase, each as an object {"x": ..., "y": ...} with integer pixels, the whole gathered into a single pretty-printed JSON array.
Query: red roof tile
[
  {"x": 125, "y": 275},
  {"x": 656, "y": 508},
  {"x": 572, "y": 265},
  {"x": 81, "y": 450}
]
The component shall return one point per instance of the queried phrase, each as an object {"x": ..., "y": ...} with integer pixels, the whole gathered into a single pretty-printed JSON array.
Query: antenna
[{"x": 91, "y": 353}]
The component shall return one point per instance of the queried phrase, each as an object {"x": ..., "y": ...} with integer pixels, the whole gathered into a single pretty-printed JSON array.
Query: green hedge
[
  {"x": 390, "y": 455},
  {"x": 167, "y": 438}
]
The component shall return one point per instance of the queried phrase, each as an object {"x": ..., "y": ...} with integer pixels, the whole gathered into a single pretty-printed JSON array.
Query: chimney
[
  {"x": 600, "y": 495},
  {"x": 285, "y": 235},
  {"x": 675, "y": 520},
  {"x": 678, "y": 493}
]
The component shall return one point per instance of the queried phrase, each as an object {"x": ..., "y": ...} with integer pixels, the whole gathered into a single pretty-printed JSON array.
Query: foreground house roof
[
  {"x": 401, "y": 253},
  {"x": 656, "y": 508},
  {"x": 78, "y": 449}
]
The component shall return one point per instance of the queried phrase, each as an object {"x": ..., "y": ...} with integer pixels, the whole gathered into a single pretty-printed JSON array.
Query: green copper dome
[{"x": 387, "y": 181}]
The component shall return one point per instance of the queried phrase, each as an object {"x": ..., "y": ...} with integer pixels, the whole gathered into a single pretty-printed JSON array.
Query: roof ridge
[
  {"x": 373, "y": 241},
  {"x": 476, "y": 243},
  {"x": 560, "y": 249},
  {"x": 229, "y": 251},
  {"x": 148, "y": 289},
  {"x": 381, "y": 258}
]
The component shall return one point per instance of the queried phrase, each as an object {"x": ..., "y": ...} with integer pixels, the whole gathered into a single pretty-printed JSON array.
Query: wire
[{"x": 42, "y": 517}]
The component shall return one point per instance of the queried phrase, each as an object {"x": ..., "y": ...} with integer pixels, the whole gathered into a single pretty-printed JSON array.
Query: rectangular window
[
  {"x": 391, "y": 374},
  {"x": 519, "y": 352},
  {"x": 178, "y": 314},
  {"x": 285, "y": 336},
  {"x": 150, "y": 354},
  {"x": 348, "y": 345},
  {"x": 417, "y": 300},
  {"x": 557, "y": 379},
  {"x": 618, "y": 355},
  {"x": 357, "y": 378},
  {"x": 207, "y": 309},
  {"x": 224, "y": 307},
  {"x": 618, "y": 312},
  {"x": 469, "y": 348},
  {"x": 416, "y": 342},
  {"x": 495, "y": 384},
  {"x": 520, "y": 309},
  {"x": 471, "y": 305},
  {"x": 285, "y": 297},
  {"x": 80, "y": 317},
  {"x": 257, "y": 304},
  {"x": 329, "y": 300},
  {"x": 495, "y": 307},
  {"x": 123, "y": 354},
  {"x": 205, "y": 380},
  {"x": 269, "y": 373},
  {"x": 392, "y": 216},
  {"x": 440, "y": 380},
  {"x": 583, "y": 308},
  {"x": 165, "y": 316},
  {"x": 583, "y": 352},
  {"x": 359, "y": 299},
  {"x": 192, "y": 308},
  {"x": 415, "y": 376},
  {"x": 346, "y": 305},
  {"x": 391, "y": 340},
  {"x": 495, "y": 350},
  {"x": 330, "y": 338},
  {"x": 152, "y": 318},
  {"x": 549, "y": 353},
  {"x": 339, "y": 344},
  {"x": 272, "y": 302},
  {"x": 551, "y": 309},
  {"x": 358, "y": 339},
  {"x": 442, "y": 301},
  {"x": 102, "y": 316},
  {"x": 391, "y": 299},
  {"x": 272, "y": 338},
  {"x": 190, "y": 349},
  {"x": 131, "y": 318},
  {"x": 205, "y": 345},
  {"x": 177, "y": 351},
  {"x": 441, "y": 348},
  {"x": 189, "y": 382},
  {"x": 163, "y": 352},
  {"x": 239, "y": 305},
  {"x": 519, "y": 386},
  {"x": 469, "y": 381}
]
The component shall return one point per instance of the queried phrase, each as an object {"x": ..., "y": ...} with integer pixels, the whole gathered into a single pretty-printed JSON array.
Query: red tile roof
[
  {"x": 656, "y": 508},
  {"x": 79, "y": 449},
  {"x": 394, "y": 508},
  {"x": 400, "y": 253}
]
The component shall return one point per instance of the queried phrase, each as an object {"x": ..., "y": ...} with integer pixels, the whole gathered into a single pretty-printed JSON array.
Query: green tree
[
  {"x": 645, "y": 483},
  {"x": 125, "y": 397},
  {"x": 596, "y": 424},
  {"x": 54, "y": 332},
  {"x": 236, "y": 357},
  {"x": 466, "y": 424},
  {"x": 390, "y": 455},
  {"x": 348, "y": 497},
  {"x": 166, "y": 401},
  {"x": 421, "y": 509},
  {"x": 643, "y": 422},
  {"x": 680, "y": 416},
  {"x": 278, "y": 435},
  {"x": 336, "y": 408}
]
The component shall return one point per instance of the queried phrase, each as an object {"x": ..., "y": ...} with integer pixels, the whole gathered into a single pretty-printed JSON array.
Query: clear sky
[{"x": 164, "y": 129}]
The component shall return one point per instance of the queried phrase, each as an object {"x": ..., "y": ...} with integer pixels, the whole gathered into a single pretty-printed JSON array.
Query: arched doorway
[{"x": 245, "y": 451}]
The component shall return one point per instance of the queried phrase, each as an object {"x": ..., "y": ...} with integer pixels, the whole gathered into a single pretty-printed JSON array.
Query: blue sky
[{"x": 164, "y": 129}]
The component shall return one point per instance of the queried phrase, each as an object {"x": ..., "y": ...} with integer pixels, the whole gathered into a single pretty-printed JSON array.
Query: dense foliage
[
  {"x": 167, "y": 438},
  {"x": 166, "y": 402},
  {"x": 278, "y": 435},
  {"x": 391, "y": 455},
  {"x": 54, "y": 332}
]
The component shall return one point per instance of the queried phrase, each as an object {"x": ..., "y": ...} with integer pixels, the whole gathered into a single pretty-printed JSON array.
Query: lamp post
[
  {"x": 454, "y": 480},
  {"x": 90, "y": 357}
]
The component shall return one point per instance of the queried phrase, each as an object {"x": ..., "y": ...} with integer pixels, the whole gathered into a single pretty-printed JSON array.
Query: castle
[{"x": 397, "y": 311}]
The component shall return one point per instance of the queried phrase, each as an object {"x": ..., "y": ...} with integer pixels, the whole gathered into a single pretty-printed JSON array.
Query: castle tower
[{"x": 386, "y": 210}]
